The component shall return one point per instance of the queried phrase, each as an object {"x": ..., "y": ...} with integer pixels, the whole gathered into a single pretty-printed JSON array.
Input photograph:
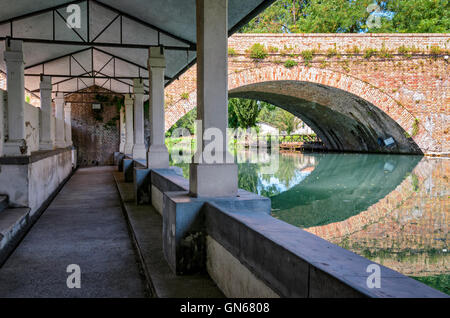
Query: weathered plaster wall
[
  {"x": 45, "y": 175},
  {"x": 405, "y": 86},
  {"x": 14, "y": 184},
  {"x": 29, "y": 185}
]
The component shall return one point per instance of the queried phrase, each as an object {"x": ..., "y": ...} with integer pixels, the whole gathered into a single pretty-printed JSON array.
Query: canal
[{"x": 392, "y": 209}]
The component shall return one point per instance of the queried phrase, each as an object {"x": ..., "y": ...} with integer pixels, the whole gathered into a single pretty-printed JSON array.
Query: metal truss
[{"x": 88, "y": 41}]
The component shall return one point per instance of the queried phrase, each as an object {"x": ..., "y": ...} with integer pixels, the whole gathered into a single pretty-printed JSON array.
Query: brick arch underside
[{"x": 345, "y": 112}]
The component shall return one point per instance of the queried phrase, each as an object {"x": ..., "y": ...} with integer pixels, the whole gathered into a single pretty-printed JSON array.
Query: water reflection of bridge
[{"x": 390, "y": 209}]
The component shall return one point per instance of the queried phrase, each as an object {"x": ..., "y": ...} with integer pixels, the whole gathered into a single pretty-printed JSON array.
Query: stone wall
[{"x": 96, "y": 137}]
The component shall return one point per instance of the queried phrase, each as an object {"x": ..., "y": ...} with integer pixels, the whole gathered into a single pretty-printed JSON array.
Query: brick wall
[
  {"x": 95, "y": 140},
  {"x": 405, "y": 86}
]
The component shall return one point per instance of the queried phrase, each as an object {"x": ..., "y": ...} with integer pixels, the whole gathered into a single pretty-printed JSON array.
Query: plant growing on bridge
[
  {"x": 435, "y": 50},
  {"x": 369, "y": 52},
  {"x": 384, "y": 52},
  {"x": 273, "y": 49},
  {"x": 415, "y": 127},
  {"x": 332, "y": 51},
  {"x": 290, "y": 63},
  {"x": 307, "y": 56},
  {"x": 258, "y": 51},
  {"x": 231, "y": 51},
  {"x": 353, "y": 50},
  {"x": 184, "y": 95}
]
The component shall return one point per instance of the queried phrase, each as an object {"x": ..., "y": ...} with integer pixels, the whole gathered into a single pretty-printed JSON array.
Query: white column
[
  {"x": 212, "y": 176},
  {"x": 122, "y": 130},
  {"x": 60, "y": 139},
  {"x": 2, "y": 125},
  {"x": 157, "y": 156},
  {"x": 129, "y": 125},
  {"x": 139, "y": 151},
  {"x": 16, "y": 144},
  {"x": 68, "y": 124},
  {"x": 46, "y": 121}
]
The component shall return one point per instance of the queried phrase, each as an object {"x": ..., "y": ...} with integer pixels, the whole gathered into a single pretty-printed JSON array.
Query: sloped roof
[{"x": 112, "y": 48}]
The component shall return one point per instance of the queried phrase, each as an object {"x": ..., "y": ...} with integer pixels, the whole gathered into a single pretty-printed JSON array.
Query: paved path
[{"x": 84, "y": 225}]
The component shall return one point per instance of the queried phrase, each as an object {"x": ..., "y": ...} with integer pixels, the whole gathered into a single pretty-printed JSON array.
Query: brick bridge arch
[
  {"x": 346, "y": 113},
  {"x": 350, "y": 100}
]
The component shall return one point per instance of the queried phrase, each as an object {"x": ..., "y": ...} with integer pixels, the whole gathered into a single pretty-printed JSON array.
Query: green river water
[{"x": 392, "y": 209}]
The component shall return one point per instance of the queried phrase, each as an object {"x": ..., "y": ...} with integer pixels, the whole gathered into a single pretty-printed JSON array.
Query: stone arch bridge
[{"x": 354, "y": 90}]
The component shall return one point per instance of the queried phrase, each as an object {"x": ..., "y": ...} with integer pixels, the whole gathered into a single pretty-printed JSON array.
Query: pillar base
[
  {"x": 16, "y": 148},
  {"x": 139, "y": 152},
  {"x": 128, "y": 149},
  {"x": 157, "y": 157},
  {"x": 46, "y": 145},
  {"x": 60, "y": 144},
  {"x": 213, "y": 180}
]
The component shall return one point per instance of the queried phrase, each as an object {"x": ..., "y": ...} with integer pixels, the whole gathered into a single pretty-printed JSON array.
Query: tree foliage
[
  {"x": 187, "y": 121},
  {"x": 287, "y": 122},
  {"x": 245, "y": 110},
  {"x": 350, "y": 16}
]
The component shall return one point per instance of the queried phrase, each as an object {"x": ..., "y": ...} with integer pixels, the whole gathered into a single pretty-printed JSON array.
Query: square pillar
[
  {"x": 46, "y": 121},
  {"x": 122, "y": 129},
  {"x": 60, "y": 131},
  {"x": 157, "y": 156},
  {"x": 128, "y": 149},
  {"x": 16, "y": 144},
  {"x": 2, "y": 124},
  {"x": 139, "y": 150},
  {"x": 68, "y": 124},
  {"x": 217, "y": 177}
]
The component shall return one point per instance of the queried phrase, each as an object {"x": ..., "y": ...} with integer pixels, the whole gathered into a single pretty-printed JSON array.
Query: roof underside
[{"x": 112, "y": 48}]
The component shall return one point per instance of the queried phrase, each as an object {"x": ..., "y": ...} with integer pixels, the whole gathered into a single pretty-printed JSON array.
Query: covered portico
[
  {"x": 132, "y": 48},
  {"x": 203, "y": 233}
]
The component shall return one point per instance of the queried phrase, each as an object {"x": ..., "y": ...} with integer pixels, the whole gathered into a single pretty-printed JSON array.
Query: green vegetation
[
  {"x": 332, "y": 51},
  {"x": 435, "y": 50},
  {"x": 307, "y": 56},
  {"x": 353, "y": 50},
  {"x": 368, "y": 53},
  {"x": 231, "y": 51},
  {"x": 258, "y": 51},
  {"x": 246, "y": 112},
  {"x": 384, "y": 52},
  {"x": 349, "y": 16},
  {"x": 440, "y": 282},
  {"x": 184, "y": 95},
  {"x": 415, "y": 127},
  {"x": 187, "y": 121},
  {"x": 273, "y": 49},
  {"x": 290, "y": 63}
]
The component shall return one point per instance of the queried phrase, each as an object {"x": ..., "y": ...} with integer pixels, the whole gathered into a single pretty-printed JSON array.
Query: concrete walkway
[{"x": 84, "y": 225}]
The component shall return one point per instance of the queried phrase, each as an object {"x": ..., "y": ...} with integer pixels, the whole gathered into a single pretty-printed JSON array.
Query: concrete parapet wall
[
  {"x": 30, "y": 181},
  {"x": 295, "y": 263}
]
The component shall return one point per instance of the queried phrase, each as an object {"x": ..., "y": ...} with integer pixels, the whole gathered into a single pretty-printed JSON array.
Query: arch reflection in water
[{"x": 392, "y": 209}]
